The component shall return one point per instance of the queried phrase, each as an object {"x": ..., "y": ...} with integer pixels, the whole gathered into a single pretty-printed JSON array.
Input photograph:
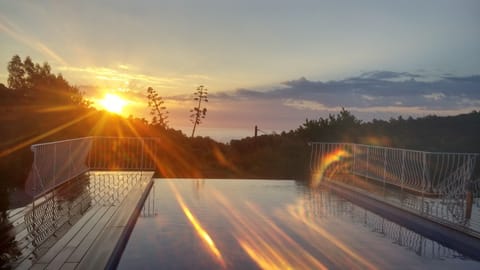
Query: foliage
[
  {"x": 270, "y": 156},
  {"x": 158, "y": 111},
  {"x": 36, "y": 82},
  {"x": 199, "y": 112},
  {"x": 429, "y": 133},
  {"x": 16, "y": 73},
  {"x": 338, "y": 127}
]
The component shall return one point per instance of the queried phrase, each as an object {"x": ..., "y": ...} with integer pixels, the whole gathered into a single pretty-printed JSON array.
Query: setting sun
[{"x": 113, "y": 103}]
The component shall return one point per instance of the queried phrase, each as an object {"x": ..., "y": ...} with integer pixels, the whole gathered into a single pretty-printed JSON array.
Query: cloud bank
[{"x": 374, "y": 91}]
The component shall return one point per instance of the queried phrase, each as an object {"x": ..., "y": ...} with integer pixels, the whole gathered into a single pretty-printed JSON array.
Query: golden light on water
[
  {"x": 113, "y": 103},
  {"x": 202, "y": 233},
  {"x": 327, "y": 161},
  {"x": 263, "y": 241},
  {"x": 301, "y": 232},
  {"x": 349, "y": 256}
]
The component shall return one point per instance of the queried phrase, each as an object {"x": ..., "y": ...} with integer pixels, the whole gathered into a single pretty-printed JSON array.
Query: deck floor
[{"x": 92, "y": 240}]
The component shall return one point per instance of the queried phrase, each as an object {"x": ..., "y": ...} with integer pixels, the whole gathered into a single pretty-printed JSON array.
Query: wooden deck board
[
  {"x": 39, "y": 266},
  {"x": 91, "y": 241},
  {"x": 69, "y": 266},
  {"x": 88, "y": 227},
  {"x": 81, "y": 249},
  {"x": 60, "y": 259},
  {"x": 100, "y": 252},
  {"x": 55, "y": 249}
]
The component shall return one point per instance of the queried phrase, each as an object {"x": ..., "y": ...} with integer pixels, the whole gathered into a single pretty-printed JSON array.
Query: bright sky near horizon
[{"x": 270, "y": 63}]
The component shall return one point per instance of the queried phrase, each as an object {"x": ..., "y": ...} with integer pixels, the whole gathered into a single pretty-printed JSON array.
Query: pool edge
[
  {"x": 123, "y": 240},
  {"x": 446, "y": 235}
]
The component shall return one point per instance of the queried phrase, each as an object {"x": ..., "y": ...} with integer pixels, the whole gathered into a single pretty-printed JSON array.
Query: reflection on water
[
  {"x": 323, "y": 204},
  {"x": 251, "y": 224},
  {"x": 28, "y": 232}
]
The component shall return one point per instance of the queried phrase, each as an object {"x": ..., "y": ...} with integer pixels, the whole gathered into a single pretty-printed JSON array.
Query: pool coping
[
  {"x": 125, "y": 235},
  {"x": 442, "y": 233},
  {"x": 102, "y": 256}
]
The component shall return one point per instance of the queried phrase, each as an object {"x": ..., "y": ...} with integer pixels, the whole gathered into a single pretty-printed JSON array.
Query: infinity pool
[{"x": 270, "y": 224}]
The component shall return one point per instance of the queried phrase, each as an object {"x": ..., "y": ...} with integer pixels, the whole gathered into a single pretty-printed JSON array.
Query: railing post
[
  {"x": 54, "y": 164},
  {"x": 70, "y": 163},
  {"x": 402, "y": 173},
  {"x": 142, "y": 144},
  {"x": 384, "y": 169},
  {"x": 353, "y": 154},
  {"x": 366, "y": 173},
  {"x": 468, "y": 190},
  {"x": 34, "y": 190},
  {"x": 424, "y": 179},
  {"x": 89, "y": 156},
  {"x": 54, "y": 183}
]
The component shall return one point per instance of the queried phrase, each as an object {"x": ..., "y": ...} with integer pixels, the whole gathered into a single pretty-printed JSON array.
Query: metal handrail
[
  {"x": 57, "y": 162},
  {"x": 438, "y": 184}
]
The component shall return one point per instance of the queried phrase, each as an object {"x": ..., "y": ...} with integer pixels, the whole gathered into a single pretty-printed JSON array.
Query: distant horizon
[{"x": 269, "y": 63}]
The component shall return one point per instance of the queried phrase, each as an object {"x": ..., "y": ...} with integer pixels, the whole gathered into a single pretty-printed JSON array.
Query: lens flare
[
  {"x": 113, "y": 103},
  {"x": 350, "y": 257},
  {"x": 202, "y": 233},
  {"x": 325, "y": 162},
  {"x": 262, "y": 240}
]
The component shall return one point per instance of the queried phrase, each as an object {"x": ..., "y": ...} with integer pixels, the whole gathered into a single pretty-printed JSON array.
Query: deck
[{"x": 93, "y": 239}]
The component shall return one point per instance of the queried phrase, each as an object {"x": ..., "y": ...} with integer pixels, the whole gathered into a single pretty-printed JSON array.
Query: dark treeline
[
  {"x": 430, "y": 133},
  {"x": 38, "y": 106},
  {"x": 286, "y": 155}
]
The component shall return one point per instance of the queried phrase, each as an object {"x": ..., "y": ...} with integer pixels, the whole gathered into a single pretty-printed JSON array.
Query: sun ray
[{"x": 43, "y": 135}]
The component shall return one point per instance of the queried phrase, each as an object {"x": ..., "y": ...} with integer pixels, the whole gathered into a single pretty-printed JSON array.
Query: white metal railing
[
  {"x": 57, "y": 162},
  {"x": 325, "y": 205},
  {"x": 64, "y": 188},
  {"x": 438, "y": 184},
  {"x": 56, "y": 211}
]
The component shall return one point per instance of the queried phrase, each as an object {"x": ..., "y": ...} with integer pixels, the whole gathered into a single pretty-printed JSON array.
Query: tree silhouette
[
  {"x": 16, "y": 73},
  {"x": 199, "y": 113},
  {"x": 158, "y": 111},
  {"x": 36, "y": 81}
]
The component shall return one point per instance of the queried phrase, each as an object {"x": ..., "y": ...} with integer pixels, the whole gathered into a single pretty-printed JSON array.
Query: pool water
[{"x": 271, "y": 224}]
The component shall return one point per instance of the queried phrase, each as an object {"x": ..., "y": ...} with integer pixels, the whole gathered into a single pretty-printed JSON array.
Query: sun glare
[{"x": 113, "y": 103}]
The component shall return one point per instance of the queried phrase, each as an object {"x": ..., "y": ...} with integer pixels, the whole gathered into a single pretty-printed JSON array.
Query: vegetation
[
  {"x": 199, "y": 112},
  {"x": 35, "y": 82},
  {"x": 158, "y": 111},
  {"x": 38, "y": 106}
]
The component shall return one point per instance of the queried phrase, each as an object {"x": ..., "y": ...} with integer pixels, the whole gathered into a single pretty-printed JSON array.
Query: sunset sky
[{"x": 270, "y": 63}]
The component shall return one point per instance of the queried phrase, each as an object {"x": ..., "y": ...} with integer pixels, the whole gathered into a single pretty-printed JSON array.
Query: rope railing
[{"x": 437, "y": 184}]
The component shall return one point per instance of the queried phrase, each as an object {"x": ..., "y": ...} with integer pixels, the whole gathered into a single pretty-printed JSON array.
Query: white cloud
[
  {"x": 435, "y": 96},
  {"x": 308, "y": 105},
  {"x": 369, "y": 98}
]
